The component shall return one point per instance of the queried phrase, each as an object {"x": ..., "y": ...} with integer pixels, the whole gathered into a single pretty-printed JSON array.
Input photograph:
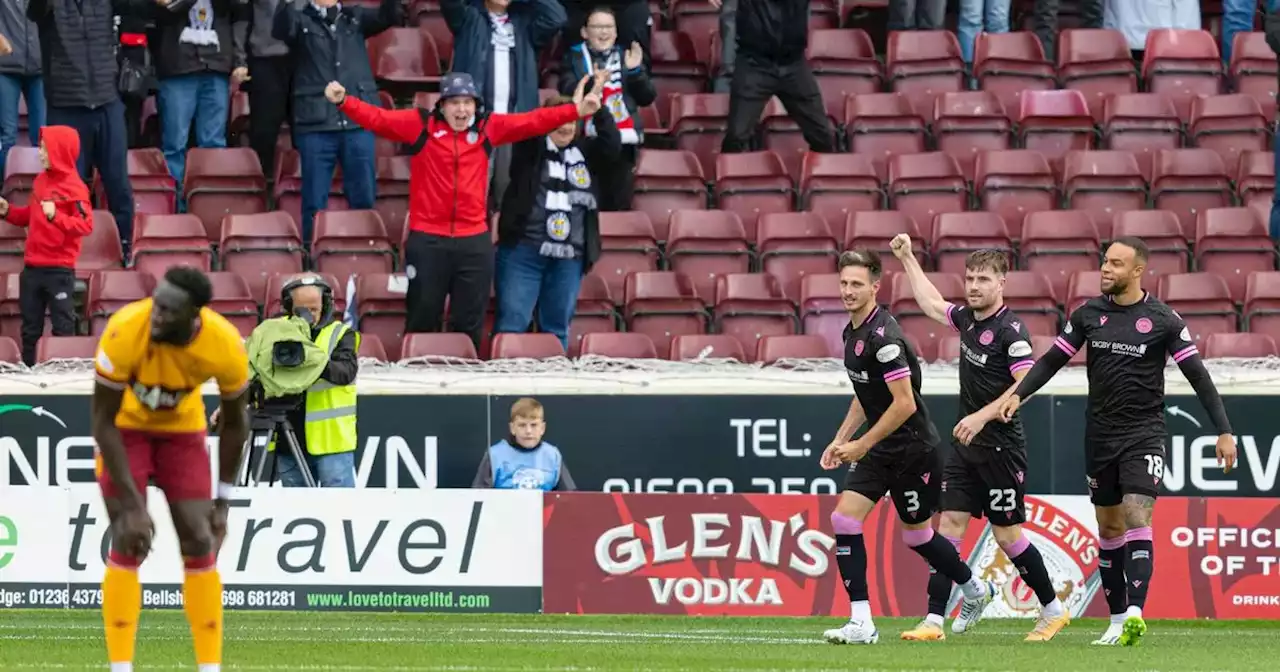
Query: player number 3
[
  {"x": 1003, "y": 500},
  {"x": 913, "y": 500}
]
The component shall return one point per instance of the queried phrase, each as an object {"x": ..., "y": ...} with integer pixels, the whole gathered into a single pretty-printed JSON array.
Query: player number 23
[{"x": 1003, "y": 500}]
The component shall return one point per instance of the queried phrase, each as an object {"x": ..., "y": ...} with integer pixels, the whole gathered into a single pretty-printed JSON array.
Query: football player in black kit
[
  {"x": 1129, "y": 335},
  {"x": 897, "y": 454},
  {"x": 986, "y": 470}
]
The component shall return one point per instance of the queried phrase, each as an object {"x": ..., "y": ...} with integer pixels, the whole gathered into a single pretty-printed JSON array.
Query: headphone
[{"x": 326, "y": 295}]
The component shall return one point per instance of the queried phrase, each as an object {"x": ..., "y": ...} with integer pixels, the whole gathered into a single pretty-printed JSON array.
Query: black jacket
[
  {"x": 78, "y": 48},
  {"x": 526, "y": 172},
  {"x": 637, "y": 88},
  {"x": 773, "y": 31},
  {"x": 535, "y": 23},
  {"x": 344, "y": 364},
  {"x": 25, "y": 38},
  {"x": 1271, "y": 28},
  {"x": 324, "y": 53},
  {"x": 173, "y": 58}
]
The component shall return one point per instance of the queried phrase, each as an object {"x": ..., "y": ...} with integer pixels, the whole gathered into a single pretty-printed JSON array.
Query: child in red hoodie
[{"x": 58, "y": 217}]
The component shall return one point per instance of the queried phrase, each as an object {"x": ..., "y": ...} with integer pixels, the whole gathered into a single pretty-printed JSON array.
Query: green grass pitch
[{"x": 349, "y": 642}]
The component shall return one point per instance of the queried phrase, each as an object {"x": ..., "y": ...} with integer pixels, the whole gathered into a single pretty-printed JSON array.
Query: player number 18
[
  {"x": 1003, "y": 500},
  {"x": 1155, "y": 465}
]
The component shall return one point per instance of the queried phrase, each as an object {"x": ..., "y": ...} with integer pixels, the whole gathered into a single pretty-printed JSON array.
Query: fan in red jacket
[
  {"x": 449, "y": 251},
  {"x": 58, "y": 218}
]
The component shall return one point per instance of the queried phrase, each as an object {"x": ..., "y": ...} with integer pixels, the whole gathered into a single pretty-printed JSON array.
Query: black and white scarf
[
  {"x": 568, "y": 187},
  {"x": 613, "y": 96}
]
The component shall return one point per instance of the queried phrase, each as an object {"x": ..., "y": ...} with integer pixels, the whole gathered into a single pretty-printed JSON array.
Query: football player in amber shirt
[{"x": 148, "y": 423}]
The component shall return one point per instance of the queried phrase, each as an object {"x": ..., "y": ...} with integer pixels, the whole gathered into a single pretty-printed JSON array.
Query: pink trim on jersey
[
  {"x": 1111, "y": 544},
  {"x": 951, "y": 323},
  {"x": 1021, "y": 365},
  {"x": 1185, "y": 353},
  {"x": 897, "y": 374},
  {"x": 1138, "y": 534},
  {"x": 1064, "y": 346}
]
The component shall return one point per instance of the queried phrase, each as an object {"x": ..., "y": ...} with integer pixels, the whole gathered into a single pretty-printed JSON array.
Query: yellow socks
[
  {"x": 202, "y": 600},
  {"x": 121, "y": 607}
]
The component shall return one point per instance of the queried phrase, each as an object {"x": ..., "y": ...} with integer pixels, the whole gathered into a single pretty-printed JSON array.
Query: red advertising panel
[
  {"x": 1217, "y": 558},
  {"x": 771, "y": 555}
]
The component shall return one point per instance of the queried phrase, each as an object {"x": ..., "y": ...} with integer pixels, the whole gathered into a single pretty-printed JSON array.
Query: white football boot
[{"x": 853, "y": 632}]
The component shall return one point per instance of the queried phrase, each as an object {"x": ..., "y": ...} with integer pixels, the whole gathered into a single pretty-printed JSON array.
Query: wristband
[{"x": 226, "y": 490}]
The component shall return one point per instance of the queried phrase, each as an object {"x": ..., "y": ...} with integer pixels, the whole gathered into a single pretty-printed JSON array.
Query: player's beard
[
  {"x": 979, "y": 304},
  {"x": 1117, "y": 287}
]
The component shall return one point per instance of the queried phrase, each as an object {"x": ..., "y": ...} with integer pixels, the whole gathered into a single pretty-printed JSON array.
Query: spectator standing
[
  {"x": 270, "y": 86},
  {"x": 498, "y": 42},
  {"x": 980, "y": 16},
  {"x": 78, "y": 59},
  {"x": 1044, "y": 21},
  {"x": 728, "y": 43},
  {"x": 58, "y": 218},
  {"x": 1135, "y": 18},
  {"x": 137, "y": 76},
  {"x": 549, "y": 227},
  {"x": 1272, "y": 31},
  {"x": 635, "y": 23},
  {"x": 772, "y": 38},
  {"x": 450, "y": 251},
  {"x": 917, "y": 14},
  {"x": 19, "y": 77},
  {"x": 523, "y": 461},
  {"x": 625, "y": 91},
  {"x": 327, "y": 41},
  {"x": 198, "y": 46},
  {"x": 1237, "y": 17}
]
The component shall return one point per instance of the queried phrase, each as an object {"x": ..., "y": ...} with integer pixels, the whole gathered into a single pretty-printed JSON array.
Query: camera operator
[{"x": 324, "y": 417}]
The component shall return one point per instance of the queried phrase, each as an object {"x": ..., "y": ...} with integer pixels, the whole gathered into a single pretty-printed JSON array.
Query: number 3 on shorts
[
  {"x": 913, "y": 500},
  {"x": 1155, "y": 465},
  {"x": 1003, "y": 500}
]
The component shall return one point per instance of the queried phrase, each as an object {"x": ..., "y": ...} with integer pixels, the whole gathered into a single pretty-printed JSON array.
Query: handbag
[{"x": 135, "y": 78}]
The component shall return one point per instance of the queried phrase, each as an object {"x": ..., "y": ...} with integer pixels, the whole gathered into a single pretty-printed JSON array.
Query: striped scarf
[
  {"x": 568, "y": 187},
  {"x": 613, "y": 96}
]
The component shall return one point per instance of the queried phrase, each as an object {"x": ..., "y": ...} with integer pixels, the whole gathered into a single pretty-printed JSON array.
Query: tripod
[{"x": 262, "y": 426}]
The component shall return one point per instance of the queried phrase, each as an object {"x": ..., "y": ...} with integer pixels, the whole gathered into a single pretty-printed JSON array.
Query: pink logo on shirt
[
  {"x": 986, "y": 337},
  {"x": 1102, "y": 320},
  {"x": 1143, "y": 325},
  {"x": 857, "y": 348},
  {"x": 880, "y": 331}
]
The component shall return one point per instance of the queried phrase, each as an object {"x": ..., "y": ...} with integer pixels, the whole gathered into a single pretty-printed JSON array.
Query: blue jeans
[
  {"x": 1237, "y": 17},
  {"x": 330, "y": 471},
  {"x": 321, "y": 152},
  {"x": 204, "y": 97},
  {"x": 12, "y": 88},
  {"x": 1275, "y": 199},
  {"x": 524, "y": 279},
  {"x": 978, "y": 16}
]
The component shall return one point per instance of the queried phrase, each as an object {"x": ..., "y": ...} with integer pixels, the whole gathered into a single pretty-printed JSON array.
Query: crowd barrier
[{"x": 448, "y": 550}]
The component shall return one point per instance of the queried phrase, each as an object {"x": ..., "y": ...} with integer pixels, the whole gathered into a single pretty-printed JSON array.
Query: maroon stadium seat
[
  {"x": 1059, "y": 243},
  {"x": 1253, "y": 70},
  {"x": 674, "y": 65},
  {"x": 1030, "y": 295},
  {"x": 13, "y": 241},
  {"x": 222, "y": 182},
  {"x": 770, "y": 349},
  {"x": 967, "y": 123},
  {"x": 101, "y": 249},
  {"x": 703, "y": 244},
  {"x": 153, "y": 187},
  {"x": 1103, "y": 183},
  {"x": 792, "y": 245},
  {"x": 438, "y": 347},
  {"x": 1083, "y": 286},
  {"x": 716, "y": 346},
  {"x": 233, "y": 300},
  {"x": 834, "y": 185},
  {"x": 628, "y": 244},
  {"x": 1006, "y": 64},
  {"x": 1182, "y": 64},
  {"x": 667, "y": 181},
  {"x": 1228, "y": 125},
  {"x": 1246, "y": 346},
  {"x": 404, "y": 60},
  {"x": 1186, "y": 181},
  {"x": 65, "y": 347},
  {"x": 874, "y": 230},
  {"x": 925, "y": 185},
  {"x": 1233, "y": 243},
  {"x": 392, "y": 202},
  {"x": 371, "y": 348},
  {"x": 593, "y": 313},
  {"x": 844, "y": 62},
  {"x": 10, "y": 353},
  {"x": 956, "y": 234},
  {"x": 11, "y": 307},
  {"x": 351, "y": 242},
  {"x": 1142, "y": 123},
  {"x": 882, "y": 125},
  {"x": 161, "y": 241},
  {"x": 750, "y": 184},
  {"x": 526, "y": 346},
  {"x": 1262, "y": 303},
  {"x": 381, "y": 309},
  {"x": 912, "y": 319},
  {"x": 1013, "y": 184},
  {"x": 110, "y": 291},
  {"x": 270, "y": 297},
  {"x": 1096, "y": 63},
  {"x": 923, "y": 64},
  {"x": 822, "y": 312},
  {"x": 288, "y": 185},
  {"x": 22, "y": 165},
  {"x": 698, "y": 123},
  {"x": 1202, "y": 299},
  {"x": 1256, "y": 179},
  {"x": 259, "y": 245},
  {"x": 619, "y": 345},
  {"x": 1054, "y": 123},
  {"x": 749, "y": 306},
  {"x": 663, "y": 304},
  {"x": 1160, "y": 230}
]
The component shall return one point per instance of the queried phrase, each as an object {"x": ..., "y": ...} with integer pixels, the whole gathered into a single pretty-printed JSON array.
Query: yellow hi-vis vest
[{"x": 331, "y": 409}]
